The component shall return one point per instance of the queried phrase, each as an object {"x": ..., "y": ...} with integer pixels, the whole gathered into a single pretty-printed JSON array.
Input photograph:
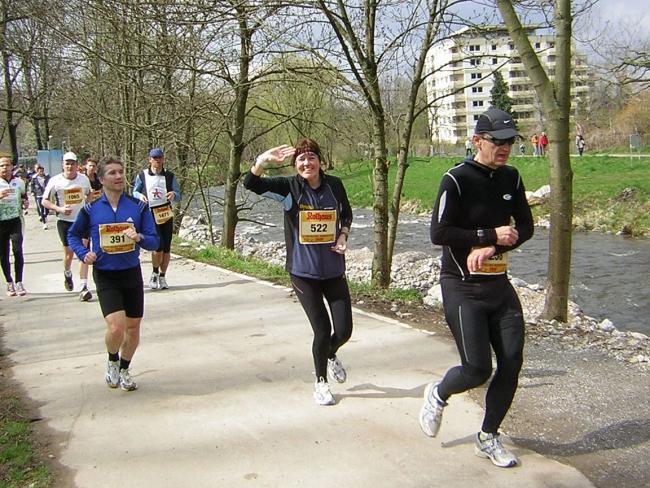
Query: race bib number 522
[{"x": 317, "y": 226}]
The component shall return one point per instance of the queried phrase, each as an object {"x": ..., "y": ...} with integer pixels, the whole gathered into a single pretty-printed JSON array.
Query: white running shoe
[
  {"x": 431, "y": 411},
  {"x": 162, "y": 283},
  {"x": 492, "y": 449},
  {"x": 126, "y": 382},
  {"x": 113, "y": 374},
  {"x": 11, "y": 290},
  {"x": 44, "y": 226},
  {"x": 153, "y": 281},
  {"x": 85, "y": 295},
  {"x": 20, "y": 289},
  {"x": 322, "y": 393},
  {"x": 335, "y": 370}
]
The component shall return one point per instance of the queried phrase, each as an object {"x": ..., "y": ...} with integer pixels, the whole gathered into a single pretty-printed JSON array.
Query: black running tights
[
  {"x": 483, "y": 316},
  {"x": 11, "y": 234},
  {"x": 310, "y": 293}
]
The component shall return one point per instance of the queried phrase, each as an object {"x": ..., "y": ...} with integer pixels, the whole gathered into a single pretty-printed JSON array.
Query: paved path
[{"x": 225, "y": 397}]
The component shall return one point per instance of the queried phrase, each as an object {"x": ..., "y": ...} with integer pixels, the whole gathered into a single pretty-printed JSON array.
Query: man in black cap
[
  {"x": 477, "y": 202},
  {"x": 159, "y": 188}
]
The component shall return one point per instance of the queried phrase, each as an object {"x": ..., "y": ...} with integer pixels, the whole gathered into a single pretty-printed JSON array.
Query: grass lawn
[{"x": 598, "y": 185}]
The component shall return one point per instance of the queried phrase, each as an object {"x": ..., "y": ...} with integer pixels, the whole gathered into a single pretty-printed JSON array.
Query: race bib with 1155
[
  {"x": 113, "y": 241},
  {"x": 317, "y": 226}
]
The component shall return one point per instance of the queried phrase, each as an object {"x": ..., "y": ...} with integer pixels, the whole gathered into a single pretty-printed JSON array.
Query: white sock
[{"x": 84, "y": 283}]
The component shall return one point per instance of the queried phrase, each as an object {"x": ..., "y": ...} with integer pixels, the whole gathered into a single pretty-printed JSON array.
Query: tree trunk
[
  {"x": 555, "y": 99},
  {"x": 380, "y": 269}
]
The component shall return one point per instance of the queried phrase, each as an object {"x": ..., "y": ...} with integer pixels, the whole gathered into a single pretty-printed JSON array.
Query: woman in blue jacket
[{"x": 317, "y": 221}]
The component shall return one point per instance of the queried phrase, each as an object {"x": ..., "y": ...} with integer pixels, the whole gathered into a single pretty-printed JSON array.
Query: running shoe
[
  {"x": 335, "y": 370},
  {"x": 67, "y": 282},
  {"x": 431, "y": 411},
  {"x": 20, "y": 289},
  {"x": 322, "y": 393},
  {"x": 45, "y": 226},
  {"x": 126, "y": 382},
  {"x": 85, "y": 295},
  {"x": 113, "y": 374},
  {"x": 153, "y": 281},
  {"x": 492, "y": 449},
  {"x": 162, "y": 283},
  {"x": 11, "y": 290}
]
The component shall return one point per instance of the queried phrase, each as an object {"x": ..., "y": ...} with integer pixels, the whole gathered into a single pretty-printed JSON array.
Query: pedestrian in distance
[
  {"x": 317, "y": 220},
  {"x": 543, "y": 143},
  {"x": 476, "y": 203},
  {"x": 13, "y": 200},
  {"x": 534, "y": 141},
  {"x": 469, "y": 146},
  {"x": 158, "y": 187},
  {"x": 66, "y": 194},
  {"x": 118, "y": 226},
  {"x": 580, "y": 144},
  {"x": 37, "y": 187}
]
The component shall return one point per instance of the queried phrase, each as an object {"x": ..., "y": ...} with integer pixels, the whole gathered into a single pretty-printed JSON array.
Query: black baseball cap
[{"x": 496, "y": 122}]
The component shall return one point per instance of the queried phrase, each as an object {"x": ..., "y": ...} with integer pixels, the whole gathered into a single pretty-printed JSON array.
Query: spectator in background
[
  {"x": 468, "y": 148},
  {"x": 534, "y": 141},
  {"x": 580, "y": 144},
  {"x": 543, "y": 142}
]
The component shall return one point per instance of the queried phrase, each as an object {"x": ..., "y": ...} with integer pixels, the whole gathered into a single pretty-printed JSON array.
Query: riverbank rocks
[{"x": 421, "y": 271}]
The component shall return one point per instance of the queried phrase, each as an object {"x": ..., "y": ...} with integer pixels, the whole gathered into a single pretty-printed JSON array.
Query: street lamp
[{"x": 49, "y": 141}]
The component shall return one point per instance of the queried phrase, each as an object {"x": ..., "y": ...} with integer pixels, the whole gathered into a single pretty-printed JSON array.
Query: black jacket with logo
[{"x": 472, "y": 201}]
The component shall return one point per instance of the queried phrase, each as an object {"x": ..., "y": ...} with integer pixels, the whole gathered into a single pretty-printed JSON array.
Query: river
[{"x": 609, "y": 273}]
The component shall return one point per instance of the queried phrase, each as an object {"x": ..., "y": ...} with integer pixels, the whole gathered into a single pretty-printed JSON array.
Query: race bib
[
  {"x": 162, "y": 214},
  {"x": 73, "y": 196},
  {"x": 113, "y": 241},
  {"x": 317, "y": 226},
  {"x": 496, "y": 265},
  {"x": 95, "y": 195}
]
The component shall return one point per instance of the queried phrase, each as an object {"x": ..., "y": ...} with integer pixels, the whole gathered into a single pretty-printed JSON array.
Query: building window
[
  {"x": 474, "y": 62},
  {"x": 477, "y": 103},
  {"x": 511, "y": 46},
  {"x": 538, "y": 45},
  {"x": 477, "y": 89},
  {"x": 476, "y": 117},
  {"x": 494, "y": 47},
  {"x": 476, "y": 76},
  {"x": 495, "y": 60},
  {"x": 474, "y": 47},
  {"x": 551, "y": 45}
]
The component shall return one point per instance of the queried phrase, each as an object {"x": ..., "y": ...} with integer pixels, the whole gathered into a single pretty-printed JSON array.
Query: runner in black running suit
[
  {"x": 480, "y": 214},
  {"x": 317, "y": 221}
]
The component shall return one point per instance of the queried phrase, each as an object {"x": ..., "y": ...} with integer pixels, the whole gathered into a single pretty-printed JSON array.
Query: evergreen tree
[{"x": 499, "y": 94}]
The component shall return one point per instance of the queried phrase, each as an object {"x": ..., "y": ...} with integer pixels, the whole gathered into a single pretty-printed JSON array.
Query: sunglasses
[{"x": 499, "y": 142}]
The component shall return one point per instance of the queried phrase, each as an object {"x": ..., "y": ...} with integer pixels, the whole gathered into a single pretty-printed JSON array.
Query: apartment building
[{"x": 463, "y": 67}]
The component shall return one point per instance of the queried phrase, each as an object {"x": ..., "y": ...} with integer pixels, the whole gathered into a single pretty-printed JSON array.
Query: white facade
[{"x": 459, "y": 90}]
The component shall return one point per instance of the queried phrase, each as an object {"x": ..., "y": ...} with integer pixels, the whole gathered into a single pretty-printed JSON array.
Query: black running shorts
[
  {"x": 63, "y": 226},
  {"x": 120, "y": 290}
]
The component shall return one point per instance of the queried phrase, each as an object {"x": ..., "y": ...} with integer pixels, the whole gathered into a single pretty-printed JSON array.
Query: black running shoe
[{"x": 69, "y": 285}]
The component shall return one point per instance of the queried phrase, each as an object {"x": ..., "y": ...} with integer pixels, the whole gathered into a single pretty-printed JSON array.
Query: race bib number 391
[
  {"x": 113, "y": 241},
  {"x": 317, "y": 226}
]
